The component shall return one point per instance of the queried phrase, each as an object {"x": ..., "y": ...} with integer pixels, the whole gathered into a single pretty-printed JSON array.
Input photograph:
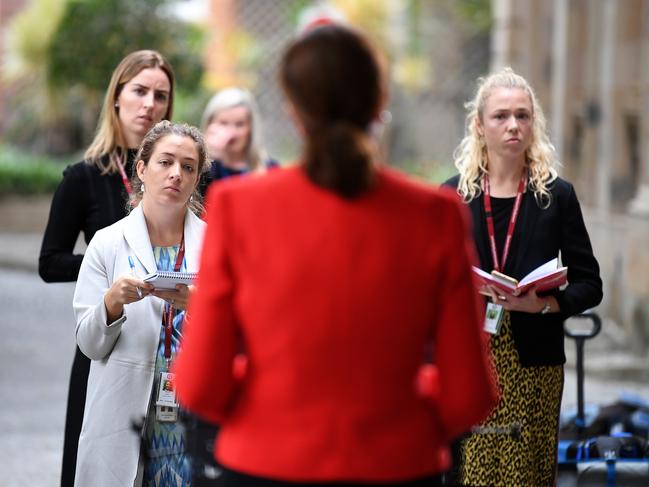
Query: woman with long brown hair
[{"x": 94, "y": 193}]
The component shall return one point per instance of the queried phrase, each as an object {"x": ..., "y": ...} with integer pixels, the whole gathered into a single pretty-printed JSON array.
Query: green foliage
[
  {"x": 29, "y": 108},
  {"x": 28, "y": 38},
  {"x": 295, "y": 9},
  {"x": 94, "y": 35},
  {"x": 61, "y": 53},
  {"x": 188, "y": 107},
  {"x": 24, "y": 173},
  {"x": 477, "y": 13}
]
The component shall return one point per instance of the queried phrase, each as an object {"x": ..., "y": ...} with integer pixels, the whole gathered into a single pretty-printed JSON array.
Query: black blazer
[
  {"x": 540, "y": 235},
  {"x": 85, "y": 201}
]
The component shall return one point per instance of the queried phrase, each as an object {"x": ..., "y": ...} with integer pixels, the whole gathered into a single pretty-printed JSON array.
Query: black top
[
  {"x": 219, "y": 171},
  {"x": 501, "y": 209},
  {"x": 85, "y": 201},
  {"x": 541, "y": 234}
]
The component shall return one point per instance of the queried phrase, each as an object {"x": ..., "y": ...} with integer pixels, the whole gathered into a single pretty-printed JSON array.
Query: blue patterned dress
[{"x": 167, "y": 463}]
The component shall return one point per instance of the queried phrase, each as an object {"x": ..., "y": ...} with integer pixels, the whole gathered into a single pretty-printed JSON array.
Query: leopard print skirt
[{"x": 517, "y": 444}]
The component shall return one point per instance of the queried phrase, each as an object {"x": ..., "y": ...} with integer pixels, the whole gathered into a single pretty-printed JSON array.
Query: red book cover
[{"x": 546, "y": 277}]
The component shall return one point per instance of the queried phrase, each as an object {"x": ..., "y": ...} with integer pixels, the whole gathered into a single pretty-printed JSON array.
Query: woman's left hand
[
  {"x": 177, "y": 298},
  {"x": 528, "y": 302}
]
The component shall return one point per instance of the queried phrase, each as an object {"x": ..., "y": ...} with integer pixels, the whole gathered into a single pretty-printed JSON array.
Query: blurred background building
[{"x": 587, "y": 60}]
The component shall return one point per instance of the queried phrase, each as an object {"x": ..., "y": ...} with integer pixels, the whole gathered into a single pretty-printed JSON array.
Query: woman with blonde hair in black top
[
  {"x": 524, "y": 216},
  {"x": 94, "y": 193}
]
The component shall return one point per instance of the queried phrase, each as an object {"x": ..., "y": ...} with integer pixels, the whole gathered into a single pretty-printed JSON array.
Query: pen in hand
[{"x": 132, "y": 266}]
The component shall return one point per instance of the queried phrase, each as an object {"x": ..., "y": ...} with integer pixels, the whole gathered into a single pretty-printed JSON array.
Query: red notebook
[{"x": 545, "y": 277}]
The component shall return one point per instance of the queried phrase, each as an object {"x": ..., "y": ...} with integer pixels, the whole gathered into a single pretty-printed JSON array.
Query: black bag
[
  {"x": 608, "y": 447},
  {"x": 622, "y": 445},
  {"x": 606, "y": 459},
  {"x": 200, "y": 437}
]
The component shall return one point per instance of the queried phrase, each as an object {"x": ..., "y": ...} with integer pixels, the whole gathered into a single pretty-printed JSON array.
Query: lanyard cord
[
  {"x": 118, "y": 162},
  {"x": 512, "y": 221},
  {"x": 169, "y": 310}
]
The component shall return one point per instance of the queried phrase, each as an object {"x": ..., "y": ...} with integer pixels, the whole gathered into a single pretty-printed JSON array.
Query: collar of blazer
[{"x": 136, "y": 235}]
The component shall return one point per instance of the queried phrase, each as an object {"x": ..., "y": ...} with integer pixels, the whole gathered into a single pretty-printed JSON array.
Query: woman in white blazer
[{"x": 130, "y": 330}]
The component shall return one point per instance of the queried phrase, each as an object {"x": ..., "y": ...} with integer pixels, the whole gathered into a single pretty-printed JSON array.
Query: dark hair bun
[
  {"x": 340, "y": 157},
  {"x": 334, "y": 79}
]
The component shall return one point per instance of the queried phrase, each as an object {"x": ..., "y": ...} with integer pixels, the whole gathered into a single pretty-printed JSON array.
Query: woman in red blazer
[{"x": 324, "y": 291}]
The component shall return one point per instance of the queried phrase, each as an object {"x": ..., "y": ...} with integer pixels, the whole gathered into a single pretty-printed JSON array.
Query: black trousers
[
  {"x": 232, "y": 478},
  {"x": 74, "y": 416}
]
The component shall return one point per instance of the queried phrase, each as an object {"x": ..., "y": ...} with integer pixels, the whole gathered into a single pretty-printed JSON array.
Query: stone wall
[{"x": 621, "y": 244}]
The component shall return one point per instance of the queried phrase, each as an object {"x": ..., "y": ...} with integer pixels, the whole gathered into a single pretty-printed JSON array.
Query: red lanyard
[
  {"x": 169, "y": 311},
  {"x": 512, "y": 220},
  {"x": 118, "y": 162}
]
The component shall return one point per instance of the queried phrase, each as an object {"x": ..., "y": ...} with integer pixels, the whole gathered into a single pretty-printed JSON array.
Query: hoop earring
[{"x": 142, "y": 188}]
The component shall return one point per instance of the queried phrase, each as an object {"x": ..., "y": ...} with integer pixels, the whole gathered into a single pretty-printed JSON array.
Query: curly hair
[
  {"x": 144, "y": 153},
  {"x": 471, "y": 159}
]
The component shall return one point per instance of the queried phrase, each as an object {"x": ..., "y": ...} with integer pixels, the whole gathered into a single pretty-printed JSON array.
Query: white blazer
[{"x": 123, "y": 353}]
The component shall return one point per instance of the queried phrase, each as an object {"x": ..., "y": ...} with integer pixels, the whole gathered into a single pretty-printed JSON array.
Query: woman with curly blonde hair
[
  {"x": 524, "y": 215},
  {"x": 471, "y": 158}
]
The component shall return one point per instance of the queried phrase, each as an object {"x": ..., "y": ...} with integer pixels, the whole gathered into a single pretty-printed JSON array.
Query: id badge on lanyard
[
  {"x": 166, "y": 406},
  {"x": 493, "y": 318},
  {"x": 494, "y": 312}
]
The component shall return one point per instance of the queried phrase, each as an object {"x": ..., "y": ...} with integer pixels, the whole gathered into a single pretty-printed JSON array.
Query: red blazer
[{"x": 336, "y": 305}]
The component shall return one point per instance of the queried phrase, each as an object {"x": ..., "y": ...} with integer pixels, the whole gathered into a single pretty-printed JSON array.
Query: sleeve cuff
[
  {"x": 564, "y": 312},
  {"x": 118, "y": 321}
]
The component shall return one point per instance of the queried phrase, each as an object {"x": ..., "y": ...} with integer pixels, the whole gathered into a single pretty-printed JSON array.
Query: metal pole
[
  {"x": 559, "y": 74},
  {"x": 581, "y": 418},
  {"x": 606, "y": 134}
]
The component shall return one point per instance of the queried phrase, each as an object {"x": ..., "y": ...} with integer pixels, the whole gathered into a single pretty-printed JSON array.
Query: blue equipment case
[{"x": 614, "y": 460}]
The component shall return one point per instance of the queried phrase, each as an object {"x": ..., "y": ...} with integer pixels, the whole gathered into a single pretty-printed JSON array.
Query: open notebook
[{"x": 545, "y": 277}]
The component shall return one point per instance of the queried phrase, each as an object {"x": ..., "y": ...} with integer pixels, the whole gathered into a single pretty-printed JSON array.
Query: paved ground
[
  {"x": 22, "y": 222},
  {"x": 36, "y": 351},
  {"x": 37, "y": 347}
]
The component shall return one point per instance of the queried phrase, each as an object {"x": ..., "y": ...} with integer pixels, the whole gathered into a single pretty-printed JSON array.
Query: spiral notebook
[{"x": 168, "y": 280}]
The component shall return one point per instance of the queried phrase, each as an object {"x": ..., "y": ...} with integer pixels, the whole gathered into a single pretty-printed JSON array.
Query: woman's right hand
[
  {"x": 217, "y": 137},
  {"x": 125, "y": 290}
]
